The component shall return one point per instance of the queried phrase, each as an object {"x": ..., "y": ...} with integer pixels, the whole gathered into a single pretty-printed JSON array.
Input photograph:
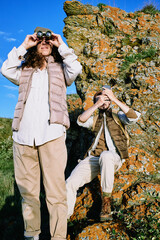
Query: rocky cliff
[{"x": 120, "y": 49}]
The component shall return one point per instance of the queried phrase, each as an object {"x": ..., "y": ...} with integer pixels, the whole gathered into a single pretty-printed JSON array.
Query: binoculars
[{"x": 47, "y": 35}]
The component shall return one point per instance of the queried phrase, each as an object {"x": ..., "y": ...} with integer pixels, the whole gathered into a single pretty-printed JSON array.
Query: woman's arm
[
  {"x": 10, "y": 68},
  {"x": 71, "y": 66}
]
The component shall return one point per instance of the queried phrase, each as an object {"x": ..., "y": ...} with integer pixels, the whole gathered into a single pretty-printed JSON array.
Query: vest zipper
[{"x": 49, "y": 95}]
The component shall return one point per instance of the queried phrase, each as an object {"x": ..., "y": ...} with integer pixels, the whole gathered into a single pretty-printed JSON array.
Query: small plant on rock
[
  {"x": 101, "y": 5},
  {"x": 150, "y": 9}
]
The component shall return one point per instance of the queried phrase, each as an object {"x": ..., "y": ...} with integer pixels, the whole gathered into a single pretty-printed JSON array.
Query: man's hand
[
  {"x": 30, "y": 41},
  {"x": 56, "y": 40},
  {"x": 101, "y": 99},
  {"x": 111, "y": 96},
  {"x": 109, "y": 93}
]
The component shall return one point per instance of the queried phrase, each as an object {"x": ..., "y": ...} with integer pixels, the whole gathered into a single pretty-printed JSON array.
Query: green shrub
[
  {"x": 148, "y": 55},
  {"x": 101, "y": 5},
  {"x": 150, "y": 9},
  {"x": 6, "y": 161},
  {"x": 144, "y": 228}
]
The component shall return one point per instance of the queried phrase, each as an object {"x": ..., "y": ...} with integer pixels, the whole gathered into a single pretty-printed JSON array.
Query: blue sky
[{"x": 19, "y": 18}]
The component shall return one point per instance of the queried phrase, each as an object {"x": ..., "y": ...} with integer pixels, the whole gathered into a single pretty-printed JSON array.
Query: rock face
[{"x": 120, "y": 49}]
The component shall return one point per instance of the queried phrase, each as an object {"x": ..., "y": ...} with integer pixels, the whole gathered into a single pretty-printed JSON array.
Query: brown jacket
[{"x": 57, "y": 94}]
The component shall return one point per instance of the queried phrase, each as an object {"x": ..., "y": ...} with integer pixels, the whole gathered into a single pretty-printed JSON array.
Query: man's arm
[
  {"x": 127, "y": 115},
  {"x": 86, "y": 114},
  {"x": 112, "y": 97}
]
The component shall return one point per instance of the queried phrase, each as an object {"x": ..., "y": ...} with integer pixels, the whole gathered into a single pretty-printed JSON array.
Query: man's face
[
  {"x": 44, "y": 48},
  {"x": 106, "y": 103}
]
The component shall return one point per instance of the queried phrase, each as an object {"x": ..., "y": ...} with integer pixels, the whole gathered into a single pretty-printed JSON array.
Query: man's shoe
[
  {"x": 28, "y": 238},
  {"x": 31, "y": 238},
  {"x": 106, "y": 214}
]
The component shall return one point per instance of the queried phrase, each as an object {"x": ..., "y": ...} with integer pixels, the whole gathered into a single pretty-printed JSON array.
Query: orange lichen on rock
[
  {"x": 142, "y": 193},
  {"x": 102, "y": 46},
  {"x": 105, "y": 67},
  {"x": 103, "y": 231},
  {"x": 151, "y": 80},
  {"x": 74, "y": 104},
  {"x": 137, "y": 131},
  {"x": 89, "y": 101}
]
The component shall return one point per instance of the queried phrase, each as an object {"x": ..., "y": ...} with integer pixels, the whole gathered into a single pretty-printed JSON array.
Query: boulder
[{"x": 122, "y": 50}]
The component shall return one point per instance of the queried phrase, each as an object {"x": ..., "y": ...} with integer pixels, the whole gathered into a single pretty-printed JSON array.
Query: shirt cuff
[
  {"x": 64, "y": 50},
  {"x": 135, "y": 119},
  {"x": 21, "y": 51},
  {"x": 131, "y": 114},
  {"x": 78, "y": 121}
]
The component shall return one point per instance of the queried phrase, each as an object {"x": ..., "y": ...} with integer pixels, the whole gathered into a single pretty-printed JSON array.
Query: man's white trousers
[{"x": 107, "y": 164}]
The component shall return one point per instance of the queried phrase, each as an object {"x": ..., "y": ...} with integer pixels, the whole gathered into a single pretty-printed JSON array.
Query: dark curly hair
[
  {"x": 96, "y": 95},
  {"x": 35, "y": 60}
]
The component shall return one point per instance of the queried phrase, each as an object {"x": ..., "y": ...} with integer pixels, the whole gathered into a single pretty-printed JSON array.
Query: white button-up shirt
[{"x": 34, "y": 126}]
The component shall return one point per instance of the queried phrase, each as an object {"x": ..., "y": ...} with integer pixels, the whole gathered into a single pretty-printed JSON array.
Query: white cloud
[
  {"x": 6, "y": 37},
  {"x": 20, "y": 31},
  {"x": 11, "y": 87},
  {"x": 10, "y": 39},
  {"x": 5, "y": 34},
  {"x": 11, "y": 95},
  {"x": 2, "y": 33}
]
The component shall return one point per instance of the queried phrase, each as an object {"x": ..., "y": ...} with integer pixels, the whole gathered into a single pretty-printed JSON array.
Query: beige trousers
[{"x": 51, "y": 158}]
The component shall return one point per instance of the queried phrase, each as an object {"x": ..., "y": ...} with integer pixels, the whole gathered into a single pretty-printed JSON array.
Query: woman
[{"x": 42, "y": 67}]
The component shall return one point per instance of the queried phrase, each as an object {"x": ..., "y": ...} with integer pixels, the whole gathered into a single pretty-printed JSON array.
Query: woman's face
[{"x": 44, "y": 48}]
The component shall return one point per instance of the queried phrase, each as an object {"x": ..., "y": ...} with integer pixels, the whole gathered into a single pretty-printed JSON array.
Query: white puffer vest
[{"x": 57, "y": 94}]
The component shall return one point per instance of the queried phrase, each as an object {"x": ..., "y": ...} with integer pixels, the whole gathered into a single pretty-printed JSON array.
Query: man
[
  {"x": 108, "y": 150},
  {"x": 42, "y": 66}
]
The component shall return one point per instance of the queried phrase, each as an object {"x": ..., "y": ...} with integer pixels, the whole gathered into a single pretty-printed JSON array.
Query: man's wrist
[
  {"x": 97, "y": 105},
  {"x": 113, "y": 98}
]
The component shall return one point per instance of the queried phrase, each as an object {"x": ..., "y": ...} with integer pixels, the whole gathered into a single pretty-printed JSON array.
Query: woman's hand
[
  {"x": 56, "y": 40},
  {"x": 30, "y": 41}
]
